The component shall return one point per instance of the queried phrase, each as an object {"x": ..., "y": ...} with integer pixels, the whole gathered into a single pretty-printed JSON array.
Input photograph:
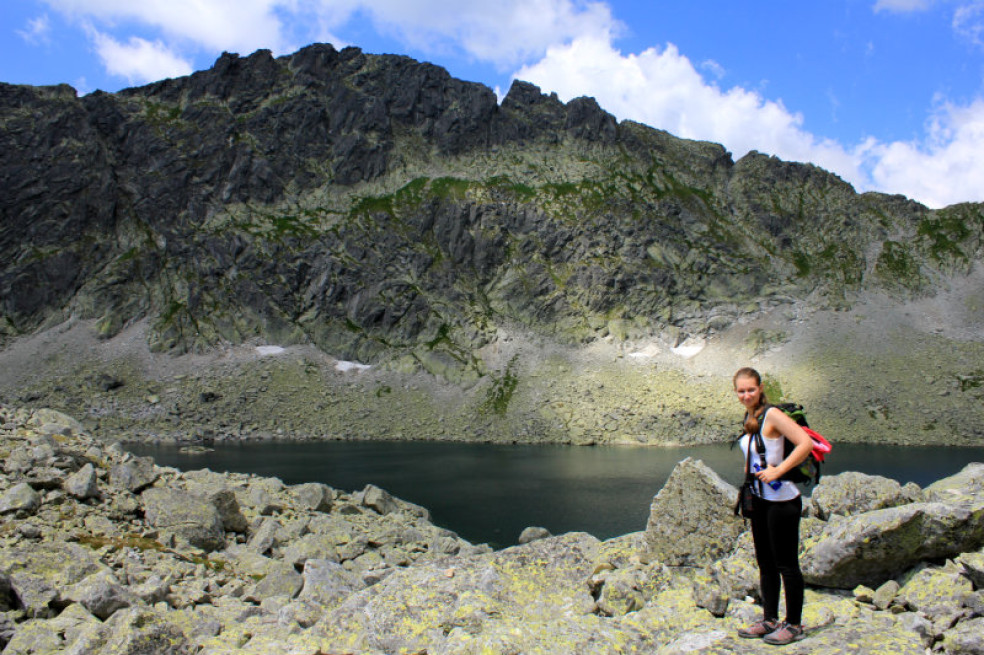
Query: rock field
[{"x": 104, "y": 552}]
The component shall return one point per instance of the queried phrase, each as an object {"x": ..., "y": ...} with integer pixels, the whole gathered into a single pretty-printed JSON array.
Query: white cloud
[
  {"x": 236, "y": 25},
  {"x": 902, "y": 6},
  {"x": 139, "y": 60},
  {"x": 714, "y": 68},
  {"x": 505, "y": 33},
  {"x": 663, "y": 89},
  {"x": 968, "y": 22},
  {"x": 946, "y": 168},
  {"x": 37, "y": 31}
]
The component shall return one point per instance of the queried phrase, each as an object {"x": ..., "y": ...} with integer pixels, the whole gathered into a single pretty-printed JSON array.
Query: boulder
[
  {"x": 691, "y": 519},
  {"x": 224, "y": 501},
  {"x": 263, "y": 495},
  {"x": 133, "y": 631},
  {"x": 264, "y": 537},
  {"x": 382, "y": 502},
  {"x": 973, "y": 565},
  {"x": 738, "y": 574},
  {"x": 314, "y": 496},
  {"x": 935, "y": 592},
  {"x": 920, "y": 626},
  {"x": 313, "y": 546},
  {"x": 281, "y": 580},
  {"x": 852, "y": 493},
  {"x": 37, "y": 573},
  {"x": 35, "y": 594},
  {"x": 873, "y": 547},
  {"x": 709, "y": 594},
  {"x": 885, "y": 595},
  {"x": 50, "y": 421},
  {"x": 327, "y": 582},
  {"x": 34, "y": 637},
  {"x": 532, "y": 534},
  {"x": 83, "y": 484},
  {"x": 629, "y": 589},
  {"x": 966, "y": 638},
  {"x": 135, "y": 474},
  {"x": 967, "y": 485},
  {"x": 20, "y": 499},
  {"x": 188, "y": 517},
  {"x": 101, "y": 594}
]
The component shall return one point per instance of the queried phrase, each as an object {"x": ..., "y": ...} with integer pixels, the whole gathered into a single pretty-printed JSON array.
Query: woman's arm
[{"x": 786, "y": 427}]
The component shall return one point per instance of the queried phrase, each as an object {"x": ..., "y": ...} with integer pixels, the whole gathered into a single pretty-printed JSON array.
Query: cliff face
[{"x": 381, "y": 209}]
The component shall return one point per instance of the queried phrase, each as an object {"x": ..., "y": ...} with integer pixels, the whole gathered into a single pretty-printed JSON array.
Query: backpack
[{"x": 809, "y": 471}]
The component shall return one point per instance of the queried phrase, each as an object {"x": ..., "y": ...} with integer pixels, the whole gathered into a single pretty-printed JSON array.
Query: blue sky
[{"x": 888, "y": 94}]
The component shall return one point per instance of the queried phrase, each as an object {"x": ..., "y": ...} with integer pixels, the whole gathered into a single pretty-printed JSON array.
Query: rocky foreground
[{"x": 104, "y": 552}]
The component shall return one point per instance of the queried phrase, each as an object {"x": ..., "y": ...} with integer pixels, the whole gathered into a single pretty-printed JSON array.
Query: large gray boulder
[
  {"x": 83, "y": 484},
  {"x": 281, "y": 580},
  {"x": 314, "y": 496},
  {"x": 966, "y": 638},
  {"x": 973, "y": 567},
  {"x": 852, "y": 493},
  {"x": 870, "y": 548},
  {"x": 215, "y": 489},
  {"x": 20, "y": 499},
  {"x": 691, "y": 519},
  {"x": 51, "y": 421},
  {"x": 328, "y": 582},
  {"x": 382, "y": 502},
  {"x": 37, "y": 573},
  {"x": 967, "y": 485},
  {"x": 101, "y": 594},
  {"x": 188, "y": 517},
  {"x": 314, "y": 546},
  {"x": 135, "y": 474},
  {"x": 533, "y": 533},
  {"x": 935, "y": 592},
  {"x": 134, "y": 631},
  {"x": 33, "y": 637},
  {"x": 225, "y": 502}
]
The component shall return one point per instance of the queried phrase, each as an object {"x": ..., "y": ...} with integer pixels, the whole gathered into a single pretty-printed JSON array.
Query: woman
[{"x": 777, "y": 506}]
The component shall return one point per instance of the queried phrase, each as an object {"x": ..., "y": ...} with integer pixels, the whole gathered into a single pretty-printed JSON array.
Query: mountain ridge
[{"x": 385, "y": 212}]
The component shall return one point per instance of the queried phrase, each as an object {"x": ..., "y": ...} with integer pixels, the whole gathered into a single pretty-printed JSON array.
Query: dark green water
[{"x": 489, "y": 493}]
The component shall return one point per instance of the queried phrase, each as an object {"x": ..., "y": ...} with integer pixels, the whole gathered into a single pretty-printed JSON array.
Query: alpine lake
[{"x": 490, "y": 493}]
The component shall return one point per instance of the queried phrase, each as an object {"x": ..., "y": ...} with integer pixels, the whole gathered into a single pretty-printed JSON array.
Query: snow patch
[
  {"x": 646, "y": 353},
  {"x": 344, "y": 366},
  {"x": 269, "y": 350},
  {"x": 689, "y": 348}
]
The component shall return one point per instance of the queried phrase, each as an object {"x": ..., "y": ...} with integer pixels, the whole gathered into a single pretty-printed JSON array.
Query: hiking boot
[
  {"x": 759, "y": 629},
  {"x": 786, "y": 633}
]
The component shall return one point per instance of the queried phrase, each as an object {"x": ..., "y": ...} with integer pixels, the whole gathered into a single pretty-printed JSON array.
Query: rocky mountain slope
[{"x": 375, "y": 209}]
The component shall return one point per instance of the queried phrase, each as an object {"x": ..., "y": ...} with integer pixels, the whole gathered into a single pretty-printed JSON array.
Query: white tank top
[{"x": 785, "y": 490}]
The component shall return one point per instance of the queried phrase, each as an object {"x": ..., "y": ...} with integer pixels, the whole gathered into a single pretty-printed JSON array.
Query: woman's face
[{"x": 748, "y": 392}]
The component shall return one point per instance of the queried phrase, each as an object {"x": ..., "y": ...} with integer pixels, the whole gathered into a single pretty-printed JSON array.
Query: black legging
[{"x": 775, "y": 531}]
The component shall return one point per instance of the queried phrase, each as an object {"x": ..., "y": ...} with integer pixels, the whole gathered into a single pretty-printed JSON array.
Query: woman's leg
[
  {"x": 783, "y": 531},
  {"x": 769, "y": 576}
]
